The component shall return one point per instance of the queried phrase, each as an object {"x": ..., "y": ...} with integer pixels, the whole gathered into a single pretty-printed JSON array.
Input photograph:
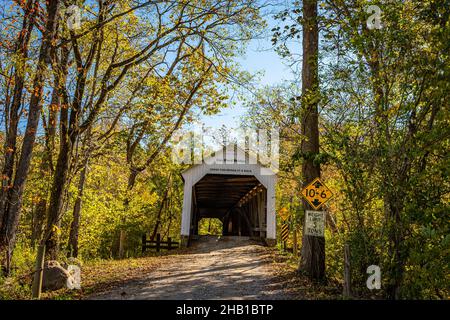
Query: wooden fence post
[
  {"x": 144, "y": 242},
  {"x": 158, "y": 242},
  {"x": 121, "y": 243},
  {"x": 294, "y": 239},
  {"x": 293, "y": 221},
  {"x": 347, "y": 273},
  {"x": 169, "y": 243},
  {"x": 38, "y": 273}
]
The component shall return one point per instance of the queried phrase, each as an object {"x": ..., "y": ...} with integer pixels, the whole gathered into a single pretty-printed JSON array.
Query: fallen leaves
[{"x": 103, "y": 275}]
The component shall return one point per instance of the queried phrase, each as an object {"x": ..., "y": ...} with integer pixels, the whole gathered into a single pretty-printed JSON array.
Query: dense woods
[{"x": 89, "y": 113}]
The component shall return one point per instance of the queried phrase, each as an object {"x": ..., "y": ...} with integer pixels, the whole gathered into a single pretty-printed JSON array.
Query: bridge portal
[{"x": 234, "y": 187}]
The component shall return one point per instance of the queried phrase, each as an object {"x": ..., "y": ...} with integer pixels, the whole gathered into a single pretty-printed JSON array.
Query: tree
[
  {"x": 381, "y": 114},
  {"x": 11, "y": 213},
  {"x": 313, "y": 248},
  {"x": 12, "y": 107},
  {"x": 181, "y": 26}
]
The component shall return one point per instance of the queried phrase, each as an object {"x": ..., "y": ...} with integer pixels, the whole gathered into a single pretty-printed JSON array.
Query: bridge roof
[{"x": 230, "y": 154}]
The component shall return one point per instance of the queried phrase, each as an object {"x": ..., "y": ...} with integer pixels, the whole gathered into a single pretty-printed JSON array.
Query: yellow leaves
[
  {"x": 393, "y": 110},
  {"x": 102, "y": 274},
  {"x": 36, "y": 199},
  {"x": 37, "y": 91},
  {"x": 142, "y": 196},
  {"x": 56, "y": 230}
]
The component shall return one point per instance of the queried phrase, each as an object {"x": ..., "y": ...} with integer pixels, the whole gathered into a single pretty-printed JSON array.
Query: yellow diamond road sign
[
  {"x": 316, "y": 193},
  {"x": 283, "y": 213}
]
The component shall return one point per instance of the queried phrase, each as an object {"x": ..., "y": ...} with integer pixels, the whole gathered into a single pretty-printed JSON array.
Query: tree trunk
[
  {"x": 9, "y": 227},
  {"x": 75, "y": 225},
  {"x": 68, "y": 137},
  {"x": 312, "y": 260},
  {"x": 38, "y": 221},
  {"x": 167, "y": 233},
  {"x": 158, "y": 218},
  {"x": 46, "y": 166},
  {"x": 347, "y": 290},
  {"x": 12, "y": 111},
  {"x": 122, "y": 233},
  {"x": 57, "y": 197},
  {"x": 396, "y": 252}
]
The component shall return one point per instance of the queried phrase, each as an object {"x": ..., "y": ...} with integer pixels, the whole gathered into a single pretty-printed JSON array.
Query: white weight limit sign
[{"x": 315, "y": 223}]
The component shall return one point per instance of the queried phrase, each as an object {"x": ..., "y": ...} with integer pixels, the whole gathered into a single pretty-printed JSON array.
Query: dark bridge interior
[{"x": 238, "y": 201}]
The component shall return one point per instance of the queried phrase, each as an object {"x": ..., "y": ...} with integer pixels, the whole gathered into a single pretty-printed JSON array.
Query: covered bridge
[{"x": 234, "y": 187}]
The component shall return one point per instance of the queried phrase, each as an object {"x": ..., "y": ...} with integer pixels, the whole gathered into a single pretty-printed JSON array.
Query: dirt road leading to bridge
[{"x": 228, "y": 268}]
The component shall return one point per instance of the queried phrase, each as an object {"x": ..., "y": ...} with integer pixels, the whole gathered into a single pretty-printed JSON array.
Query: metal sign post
[
  {"x": 284, "y": 215},
  {"x": 284, "y": 233}
]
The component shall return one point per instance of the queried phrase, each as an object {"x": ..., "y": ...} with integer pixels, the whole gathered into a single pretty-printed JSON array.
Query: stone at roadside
[{"x": 54, "y": 276}]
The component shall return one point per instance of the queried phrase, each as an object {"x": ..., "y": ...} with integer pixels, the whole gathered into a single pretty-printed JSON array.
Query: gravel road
[{"x": 213, "y": 268}]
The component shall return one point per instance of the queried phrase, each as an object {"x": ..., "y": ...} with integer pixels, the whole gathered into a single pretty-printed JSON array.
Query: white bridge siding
[{"x": 234, "y": 161}]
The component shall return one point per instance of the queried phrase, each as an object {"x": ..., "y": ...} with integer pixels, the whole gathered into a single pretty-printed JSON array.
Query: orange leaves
[
  {"x": 37, "y": 91},
  {"x": 6, "y": 44},
  {"x": 53, "y": 107}
]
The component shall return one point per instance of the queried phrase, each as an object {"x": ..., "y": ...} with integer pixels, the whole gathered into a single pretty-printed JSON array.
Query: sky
[{"x": 261, "y": 58}]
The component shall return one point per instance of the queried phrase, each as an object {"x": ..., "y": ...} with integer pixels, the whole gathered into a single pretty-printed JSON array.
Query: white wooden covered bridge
[{"x": 233, "y": 186}]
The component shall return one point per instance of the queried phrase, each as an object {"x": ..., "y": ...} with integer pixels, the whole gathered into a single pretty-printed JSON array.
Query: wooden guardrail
[{"x": 158, "y": 244}]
